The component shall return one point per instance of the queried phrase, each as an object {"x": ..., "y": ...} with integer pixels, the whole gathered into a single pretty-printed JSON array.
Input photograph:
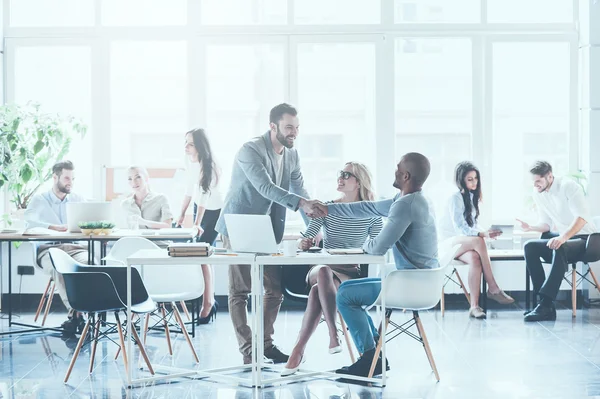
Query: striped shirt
[{"x": 343, "y": 232}]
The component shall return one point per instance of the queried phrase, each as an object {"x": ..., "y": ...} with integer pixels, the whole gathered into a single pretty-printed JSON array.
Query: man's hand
[
  {"x": 524, "y": 226},
  {"x": 556, "y": 242},
  {"x": 58, "y": 227},
  {"x": 313, "y": 208}
]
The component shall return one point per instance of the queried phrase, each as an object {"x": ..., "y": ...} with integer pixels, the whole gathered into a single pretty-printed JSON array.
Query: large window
[{"x": 489, "y": 81}]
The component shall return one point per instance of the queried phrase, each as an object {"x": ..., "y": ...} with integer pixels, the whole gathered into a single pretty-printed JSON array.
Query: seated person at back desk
[
  {"x": 411, "y": 234},
  {"x": 354, "y": 182},
  {"x": 150, "y": 210},
  {"x": 560, "y": 203},
  {"x": 49, "y": 210}
]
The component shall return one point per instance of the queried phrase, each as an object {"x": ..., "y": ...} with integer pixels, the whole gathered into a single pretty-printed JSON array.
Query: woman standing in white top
[
  {"x": 459, "y": 226},
  {"x": 203, "y": 188}
]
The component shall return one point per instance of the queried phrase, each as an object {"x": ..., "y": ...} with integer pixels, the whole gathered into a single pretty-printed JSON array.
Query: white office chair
[
  {"x": 415, "y": 289},
  {"x": 187, "y": 288}
]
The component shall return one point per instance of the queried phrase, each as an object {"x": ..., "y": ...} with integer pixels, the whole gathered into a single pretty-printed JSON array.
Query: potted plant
[{"x": 31, "y": 141}]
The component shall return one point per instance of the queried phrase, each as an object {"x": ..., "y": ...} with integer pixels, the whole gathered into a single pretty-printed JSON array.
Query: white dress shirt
[
  {"x": 559, "y": 206},
  {"x": 47, "y": 209}
]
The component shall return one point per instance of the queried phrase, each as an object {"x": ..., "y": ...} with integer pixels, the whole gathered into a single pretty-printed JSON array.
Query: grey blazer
[{"x": 252, "y": 189}]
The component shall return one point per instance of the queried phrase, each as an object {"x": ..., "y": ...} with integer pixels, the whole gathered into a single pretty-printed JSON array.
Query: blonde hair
[
  {"x": 142, "y": 171},
  {"x": 364, "y": 178}
]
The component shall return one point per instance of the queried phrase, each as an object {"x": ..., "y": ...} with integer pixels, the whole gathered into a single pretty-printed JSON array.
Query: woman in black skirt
[{"x": 203, "y": 188}]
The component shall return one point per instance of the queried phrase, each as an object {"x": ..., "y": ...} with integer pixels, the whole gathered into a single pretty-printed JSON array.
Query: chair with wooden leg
[
  {"x": 413, "y": 290},
  {"x": 459, "y": 282},
  {"x": 592, "y": 254},
  {"x": 162, "y": 290},
  {"x": 93, "y": 293}
]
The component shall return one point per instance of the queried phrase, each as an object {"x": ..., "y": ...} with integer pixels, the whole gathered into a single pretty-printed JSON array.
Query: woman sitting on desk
[
  {"x": 151, "y": 209},
  {"x": 459, "y": 226},
  {"x": 354, "y": 182}
]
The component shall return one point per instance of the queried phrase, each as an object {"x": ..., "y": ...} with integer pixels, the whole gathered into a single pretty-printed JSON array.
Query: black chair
[{"x": 96, "y": 289}]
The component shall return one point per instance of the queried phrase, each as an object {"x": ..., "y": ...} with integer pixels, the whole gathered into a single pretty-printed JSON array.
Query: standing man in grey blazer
[{"x": 266, "y": 179}]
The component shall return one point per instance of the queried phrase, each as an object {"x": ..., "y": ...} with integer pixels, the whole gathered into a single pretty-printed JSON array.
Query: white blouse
[{"x": 210, "y": 200}]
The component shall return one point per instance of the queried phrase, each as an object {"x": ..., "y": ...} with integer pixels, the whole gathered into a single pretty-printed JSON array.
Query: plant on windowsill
[{"x": 31, "y": 141}]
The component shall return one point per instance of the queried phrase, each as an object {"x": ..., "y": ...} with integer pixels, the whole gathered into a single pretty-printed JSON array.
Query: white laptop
[
  {"x": 78, "y": 212},
  {"x": 251, "y": 233}
]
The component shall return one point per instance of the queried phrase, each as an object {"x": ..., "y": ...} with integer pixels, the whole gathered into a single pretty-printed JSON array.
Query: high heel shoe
[
  {"x": 211, "y": 315},
  {"x": 336, "y": 349}
]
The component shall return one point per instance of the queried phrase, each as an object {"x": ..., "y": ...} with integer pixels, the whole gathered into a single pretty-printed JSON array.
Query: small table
[
  {"x": 19, "y": 237},
  {"x": 160, "y": 257}
]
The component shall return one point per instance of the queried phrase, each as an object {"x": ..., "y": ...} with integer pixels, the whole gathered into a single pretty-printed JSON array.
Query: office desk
[{"x": 19, "y": 237}]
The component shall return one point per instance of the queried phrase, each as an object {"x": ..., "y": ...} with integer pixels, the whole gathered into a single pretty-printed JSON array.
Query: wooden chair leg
[
  {"x": 378, "y": 349},
  {"x": 594, "y": 277},
  {"x": 462, "y": 285},
  {"x": 122, "y": 340},
  {"x": 164, "y": 315},
  {"x": 42, "y": 300},
  {"x": 185, "y": 310},
  {"x": 142, "y": 349},
  {"x": 94, "y": 343},
  {"x": 77, "y": 349},
  {"x": 347, "y": 338},
  {"x": 426, "y": 346},
  {"x": 574, "y": 291},
  {"x": 146, "y": 322},
  {"x": 442, "y": 302},
  {"x": 48, "y": 304},
  {"x": 184, "y": 330}
]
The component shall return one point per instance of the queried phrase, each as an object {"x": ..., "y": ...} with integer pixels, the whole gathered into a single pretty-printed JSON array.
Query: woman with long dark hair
[
  {"x": 459, "y": 225},
  {"x": 203, "y": 188}
]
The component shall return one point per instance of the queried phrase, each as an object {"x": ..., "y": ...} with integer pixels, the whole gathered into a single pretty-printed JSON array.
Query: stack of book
[{"x": 190, "y": 249}]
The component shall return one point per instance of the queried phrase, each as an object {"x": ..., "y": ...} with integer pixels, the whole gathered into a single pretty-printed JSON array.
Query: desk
[
  {"x": 19, "y": 237},
  {"x": 257, "y": 263},
  {"x": 158, "y": 258}
]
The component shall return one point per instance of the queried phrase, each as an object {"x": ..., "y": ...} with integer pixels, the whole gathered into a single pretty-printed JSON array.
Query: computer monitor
[
  {"x": 251, "y": 233},
  {"x": 78, "y": 212}
]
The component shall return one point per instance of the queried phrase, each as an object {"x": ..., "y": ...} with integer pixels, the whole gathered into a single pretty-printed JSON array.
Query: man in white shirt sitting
[
  {"x": 561, "y": 204},
  {"x": 49, "y": 210}
]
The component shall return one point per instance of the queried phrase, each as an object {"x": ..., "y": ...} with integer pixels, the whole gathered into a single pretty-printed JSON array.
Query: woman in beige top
[{"x": 152, "y": 209}]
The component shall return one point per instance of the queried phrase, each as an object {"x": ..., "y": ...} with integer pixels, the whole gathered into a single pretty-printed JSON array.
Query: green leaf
[
  {"x": 39, "y": 146},
  {"x": 26, "y": 173}
]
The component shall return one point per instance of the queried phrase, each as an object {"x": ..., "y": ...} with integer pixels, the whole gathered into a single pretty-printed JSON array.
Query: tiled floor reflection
[{"x": 500, "y": 357}]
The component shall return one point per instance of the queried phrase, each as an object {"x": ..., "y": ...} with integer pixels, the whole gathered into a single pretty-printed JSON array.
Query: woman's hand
[
  {"x": 198, "y": 231},
  {"x": 305, "y": 243},
  {"x": 494, "y": 233},
  {"x": 180, "y": 220}
]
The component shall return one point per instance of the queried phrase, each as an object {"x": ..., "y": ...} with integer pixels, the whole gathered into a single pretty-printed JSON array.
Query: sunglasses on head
[{"x": 346, "y": 175}]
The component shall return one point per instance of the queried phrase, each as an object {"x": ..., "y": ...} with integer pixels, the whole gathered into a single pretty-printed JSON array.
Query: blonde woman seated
[
  {"x": 459, "y": 226},
  {"x": 152, "y": 209},
  {"x": 354, "y": 182}
]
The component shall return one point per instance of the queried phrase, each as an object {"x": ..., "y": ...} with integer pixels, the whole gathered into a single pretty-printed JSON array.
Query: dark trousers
[{"x": 537, "y": 250}]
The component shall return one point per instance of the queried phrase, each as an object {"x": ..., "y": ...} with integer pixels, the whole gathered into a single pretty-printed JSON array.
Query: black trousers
[{"x": 537, "y": 250}]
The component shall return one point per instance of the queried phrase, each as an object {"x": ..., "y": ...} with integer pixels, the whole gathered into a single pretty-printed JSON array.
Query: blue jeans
[{"x": 352, "y": 297}]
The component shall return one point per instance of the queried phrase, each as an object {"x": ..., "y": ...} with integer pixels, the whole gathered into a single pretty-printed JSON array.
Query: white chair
[
  {"x": 188, "y": 286},
  {"x": 415, "y": 289}
]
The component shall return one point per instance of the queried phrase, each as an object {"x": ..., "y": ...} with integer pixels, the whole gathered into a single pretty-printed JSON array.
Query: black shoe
[
  {"x": 72, "y": 325},
  {"x": 541, "y": 313},
  {"x": 363, "y": 365},
  {"x": 211, "y": 315},
  {"x": 276, "y": 355}
]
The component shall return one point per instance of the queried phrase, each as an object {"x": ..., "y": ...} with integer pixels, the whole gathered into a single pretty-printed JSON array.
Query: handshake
[{"x": 313, "y": 208}]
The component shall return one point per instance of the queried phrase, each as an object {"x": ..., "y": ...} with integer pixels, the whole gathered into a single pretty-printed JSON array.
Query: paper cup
[{"x": 289, "y": 248}]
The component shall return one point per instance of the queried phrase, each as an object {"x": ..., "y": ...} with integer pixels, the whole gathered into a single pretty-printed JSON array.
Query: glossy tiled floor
[{"x": 500, "y": 357}]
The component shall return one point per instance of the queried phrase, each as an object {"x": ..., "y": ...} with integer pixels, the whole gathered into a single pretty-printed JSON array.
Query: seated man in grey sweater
[{"x": 410, "y": 232}]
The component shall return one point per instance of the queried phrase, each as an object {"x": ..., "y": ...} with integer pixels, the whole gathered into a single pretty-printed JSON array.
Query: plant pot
[{"x": 87, "y": 232}]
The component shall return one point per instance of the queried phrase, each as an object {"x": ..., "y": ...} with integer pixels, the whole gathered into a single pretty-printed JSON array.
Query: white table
[
  {"x": 257, "y": 263},
  {"x": 303, "y": 258},
  {"x": 160, "y": 257}
]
